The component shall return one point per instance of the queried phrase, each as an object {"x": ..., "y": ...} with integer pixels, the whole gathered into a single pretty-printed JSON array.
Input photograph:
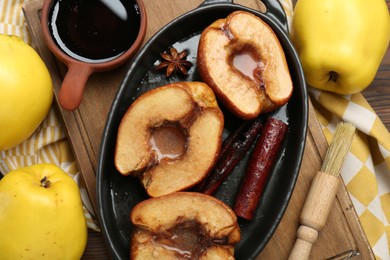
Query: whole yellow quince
[
  {"x": 340, "y": 43},
  {"x": 26, "y": 91},
  {"x": 41, "y": 215}
]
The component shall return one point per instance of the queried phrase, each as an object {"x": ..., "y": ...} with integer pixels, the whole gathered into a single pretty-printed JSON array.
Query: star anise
[{"x": 174, "y": 61}]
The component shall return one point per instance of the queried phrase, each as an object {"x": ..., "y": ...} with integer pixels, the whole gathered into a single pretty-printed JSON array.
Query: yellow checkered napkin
[{"x": 366, "y": 170}]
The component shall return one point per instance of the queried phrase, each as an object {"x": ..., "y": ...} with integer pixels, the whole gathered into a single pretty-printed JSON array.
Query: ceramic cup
[{"x": 64, "y": 31}]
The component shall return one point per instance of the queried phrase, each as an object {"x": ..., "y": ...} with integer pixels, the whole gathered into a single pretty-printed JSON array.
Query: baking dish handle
[
  {"x": 276, "y": 12},
  {"x": 210, "y": 2}
]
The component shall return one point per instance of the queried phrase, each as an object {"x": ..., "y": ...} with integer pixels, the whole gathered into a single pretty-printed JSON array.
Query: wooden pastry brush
[{"x": 322, "y": 192}]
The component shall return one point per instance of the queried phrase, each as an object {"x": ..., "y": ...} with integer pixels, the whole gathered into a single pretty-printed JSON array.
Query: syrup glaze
[{"x": 94, "y": 31}]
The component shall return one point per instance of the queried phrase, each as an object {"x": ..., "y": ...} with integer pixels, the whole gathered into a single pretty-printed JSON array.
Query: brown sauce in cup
[{"x": 94, "y": 31}]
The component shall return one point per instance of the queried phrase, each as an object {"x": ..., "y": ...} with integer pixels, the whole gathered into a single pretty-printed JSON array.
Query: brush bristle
[{"x": 338, "y": 148}]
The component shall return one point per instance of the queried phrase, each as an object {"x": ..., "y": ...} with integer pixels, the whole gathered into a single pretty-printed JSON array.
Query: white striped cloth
[{"x": 49, "y": 143}]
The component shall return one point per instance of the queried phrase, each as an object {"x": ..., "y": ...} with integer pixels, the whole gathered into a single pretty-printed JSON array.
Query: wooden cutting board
[{"x": 85, "y": 126}]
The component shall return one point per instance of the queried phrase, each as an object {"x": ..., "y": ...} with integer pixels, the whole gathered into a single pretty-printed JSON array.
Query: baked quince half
[
  {"x": 170, "y": 137},
  {"x": 183, "y": 225},
  {"x": 242, "y": 60}
]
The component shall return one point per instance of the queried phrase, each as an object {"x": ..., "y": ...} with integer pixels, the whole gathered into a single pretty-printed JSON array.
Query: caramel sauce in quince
[
  {"x": 248, "y": 65},
  {"x": 187, "y": 240},
  {"x": 168, "y": 141}
]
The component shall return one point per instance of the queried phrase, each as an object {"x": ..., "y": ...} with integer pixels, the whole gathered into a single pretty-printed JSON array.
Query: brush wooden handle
[{"x": 314, "y": 214}]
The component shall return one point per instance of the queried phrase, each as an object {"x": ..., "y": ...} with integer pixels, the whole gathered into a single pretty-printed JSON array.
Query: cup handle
[{"x": 72, "y": 88}]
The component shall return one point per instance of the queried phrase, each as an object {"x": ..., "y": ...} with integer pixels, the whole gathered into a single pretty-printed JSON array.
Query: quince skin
[
  {"x": 26, "y": 91},
  {"x": 41, "y": 215},
  {"x": 341, "y": 43}
]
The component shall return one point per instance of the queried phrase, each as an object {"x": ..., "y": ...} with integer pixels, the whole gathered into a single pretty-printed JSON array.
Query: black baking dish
[{"x": 117, "y": 194}]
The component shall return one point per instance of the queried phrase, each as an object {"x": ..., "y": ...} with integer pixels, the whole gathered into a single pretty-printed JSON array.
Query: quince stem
[
  {"x": 332, "y": 76},
  {"x": 45, "y": 182}
]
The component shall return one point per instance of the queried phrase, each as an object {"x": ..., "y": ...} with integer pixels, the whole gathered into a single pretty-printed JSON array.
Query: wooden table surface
[{"x": 378, "y": 96}]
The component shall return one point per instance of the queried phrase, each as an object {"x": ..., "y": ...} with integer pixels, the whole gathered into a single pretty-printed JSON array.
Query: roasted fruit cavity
[
  {"x": 170, "y": 137},
  {"x": 242, "y": 60},
  {"x": 183, "y": 225}
]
